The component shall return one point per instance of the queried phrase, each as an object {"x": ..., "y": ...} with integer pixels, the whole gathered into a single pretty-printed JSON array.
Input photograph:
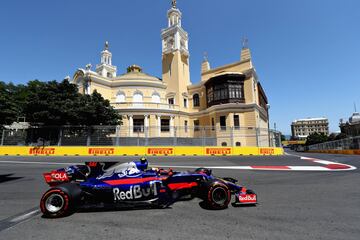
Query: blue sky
[{"x": 306, "y": 53}]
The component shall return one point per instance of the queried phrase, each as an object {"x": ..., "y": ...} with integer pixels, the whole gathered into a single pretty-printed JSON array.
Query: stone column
[
  {"x": 146, "y": 125},
  {"x": 172, "y": 125},
  {"x": 131, "y": 125},
  {"x": 159, "y": 125}
]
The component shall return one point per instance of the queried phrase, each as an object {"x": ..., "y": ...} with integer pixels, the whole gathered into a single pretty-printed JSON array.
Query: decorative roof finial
[
  {"x": 173, "y": 3},
  {"x": 355, "y": 106},
  {"x": 205, "y": 56},
  {"x": 106, "y": 45},
  {"x": 245, "y": 43}
]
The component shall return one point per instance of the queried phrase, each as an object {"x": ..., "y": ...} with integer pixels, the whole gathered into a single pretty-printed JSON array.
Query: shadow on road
[{"x": 8, "y": 177}]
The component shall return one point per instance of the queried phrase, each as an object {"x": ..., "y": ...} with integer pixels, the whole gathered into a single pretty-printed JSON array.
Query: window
[
  {"x": 185, "y": 102},
  {"x": 155, "y": 98},
  {"x": 196, "y": 100},
  {"x": 228, "y": 88},
  {"x": 138, "y": 125},
  {"x": 109, "y": 75},
  {"x": 120, "y": 97},
  {"x": 236, "y": 122},
  {"x": 223, "y": 122},
  {"x": 238, "y": 144},
  {"x": 196, "y": 125},
  {"x": 223, "y": 144},
  {"x": 212, "y": 124},
  {"x": 165, "y": 125},
  {"x": 137, "y": 99},
  {"x": 186, "y": 126},
  {"x": 171, "y": 101}
]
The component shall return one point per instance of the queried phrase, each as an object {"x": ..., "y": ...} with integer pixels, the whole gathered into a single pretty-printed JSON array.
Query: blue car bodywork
[{"x": 133, "y": 185}]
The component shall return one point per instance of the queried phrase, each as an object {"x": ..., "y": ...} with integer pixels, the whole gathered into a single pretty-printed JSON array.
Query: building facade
[
  {"x": 228, "y": 106},
  {"x": 302, "y": 128},
  {"x": 351, "y": 127}
]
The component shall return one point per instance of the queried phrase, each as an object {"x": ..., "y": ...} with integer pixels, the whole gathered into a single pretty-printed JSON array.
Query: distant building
[
  {"x": 352, "y": 127},
  {"x": 302, "y": 128}
]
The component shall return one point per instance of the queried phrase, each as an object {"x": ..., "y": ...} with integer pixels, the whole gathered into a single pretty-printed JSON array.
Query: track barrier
[{"x": 139, "y": 151}]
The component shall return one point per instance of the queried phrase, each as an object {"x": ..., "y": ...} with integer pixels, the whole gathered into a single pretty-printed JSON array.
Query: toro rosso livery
[{"x": 133, "y": 185}]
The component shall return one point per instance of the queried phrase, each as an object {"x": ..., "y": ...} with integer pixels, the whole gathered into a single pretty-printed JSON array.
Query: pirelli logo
[
  {"x": 42, "y": 151},
  {"x": 160, "y": 151},
  {"x": 101, "y": 151},
  {"x": 266, "y": 151},
  {"x": 218, "y": 151}
]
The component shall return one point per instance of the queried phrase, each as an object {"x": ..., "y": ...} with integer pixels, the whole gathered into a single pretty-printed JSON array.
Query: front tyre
[{"x": 218, "y": 196}]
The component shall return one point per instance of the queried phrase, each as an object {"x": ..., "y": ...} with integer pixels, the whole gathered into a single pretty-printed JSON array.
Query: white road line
[
  {"x": 25, "y": 216},
  {"x": 44, "y": 163},
  {"x": 338, "y": 167}
]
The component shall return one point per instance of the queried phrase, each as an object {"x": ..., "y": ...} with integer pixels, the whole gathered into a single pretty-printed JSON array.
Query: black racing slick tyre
[
  {"x": 60, "y": 201},
  {"x": 218, "y": 195}
]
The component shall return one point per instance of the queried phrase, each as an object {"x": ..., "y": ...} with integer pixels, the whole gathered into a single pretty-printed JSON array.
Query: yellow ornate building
[{"x": 228, "y": 107}]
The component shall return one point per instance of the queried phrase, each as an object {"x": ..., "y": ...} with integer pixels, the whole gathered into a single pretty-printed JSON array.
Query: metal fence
[
  {"x": 140, "y": 136},
  {"x": 342, "y": 144}
]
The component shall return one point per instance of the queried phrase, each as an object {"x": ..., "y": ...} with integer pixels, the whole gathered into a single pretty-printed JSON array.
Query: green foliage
[
  {"x": 10, "y": 97},
  {"x": 316, "y": 138},
  {"x": 54, "y": 104},
  {"x": 283, "y": 137}
]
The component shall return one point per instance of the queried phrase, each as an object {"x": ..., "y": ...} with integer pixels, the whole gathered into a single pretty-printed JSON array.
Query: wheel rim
[
  {"x": 219, "y": 196},
  {"x": 54, "y": 203}
]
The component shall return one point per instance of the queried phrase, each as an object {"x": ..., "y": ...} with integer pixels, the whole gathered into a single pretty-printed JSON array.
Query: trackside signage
[
  {"x": 218, "y": 151},
  {"x": 42, "y": 151},
  {"x": 101, "y": 151},
  {"x": 266, "y": 151},
  {"x": 161, "y": 151}
]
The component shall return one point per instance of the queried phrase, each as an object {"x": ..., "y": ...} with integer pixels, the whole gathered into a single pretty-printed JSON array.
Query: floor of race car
[{"x": 292, "y": 204}]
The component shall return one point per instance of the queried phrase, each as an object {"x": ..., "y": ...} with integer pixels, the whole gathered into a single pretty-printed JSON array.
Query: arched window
[
  {"x": 137, "y": 99},
  {"x": 120, "y": 97},
  {"x": 155, "y": 98},
  {"x": 196, "y": 100}
]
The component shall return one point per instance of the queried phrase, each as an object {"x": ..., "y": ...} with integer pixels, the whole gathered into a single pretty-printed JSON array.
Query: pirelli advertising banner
[{"x": 138, "y": 151}]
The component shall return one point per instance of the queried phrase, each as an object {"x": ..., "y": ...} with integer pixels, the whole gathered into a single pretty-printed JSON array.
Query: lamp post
[{"x": 267, "y": 110}]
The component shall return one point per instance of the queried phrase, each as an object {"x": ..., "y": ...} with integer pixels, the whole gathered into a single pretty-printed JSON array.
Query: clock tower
[{"x": 175, "y": 58}]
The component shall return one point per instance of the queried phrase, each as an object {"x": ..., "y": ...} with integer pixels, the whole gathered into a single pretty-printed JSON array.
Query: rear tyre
[
  {"x": 60, "y": 201},
  {"x": 218, "y": 195}
]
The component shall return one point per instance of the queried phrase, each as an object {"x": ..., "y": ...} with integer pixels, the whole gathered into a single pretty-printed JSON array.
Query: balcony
[{"x": 145, "y": 105}]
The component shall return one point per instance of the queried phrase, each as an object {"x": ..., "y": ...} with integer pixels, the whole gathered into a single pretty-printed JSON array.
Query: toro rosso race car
[{"x": 133, "y": 185}]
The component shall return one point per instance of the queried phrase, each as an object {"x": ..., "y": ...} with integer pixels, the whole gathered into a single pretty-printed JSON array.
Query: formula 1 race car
[{"x": 133, "y": 185}]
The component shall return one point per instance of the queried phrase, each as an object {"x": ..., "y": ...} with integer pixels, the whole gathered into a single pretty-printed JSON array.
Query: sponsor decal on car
[
  {"x": 266, "y": 151},
  {"x": 218, "y": 151},
  {"x": 247, "y": 198},
  {"x": 101, "y": 151},
  {"x": 42, "y": 151},
  {"x": 59, "y": 176},
  {"x": 135, "y": 192},
  {"x": 162, "y": 151}
]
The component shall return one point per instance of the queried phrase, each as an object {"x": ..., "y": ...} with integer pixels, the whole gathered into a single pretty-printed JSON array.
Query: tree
[
  {"x": 316, "y": 138},
  {"x": 283, "y": 137},
  {"x": 57, "y": 104},
  {"x": 9, "y": 107}
]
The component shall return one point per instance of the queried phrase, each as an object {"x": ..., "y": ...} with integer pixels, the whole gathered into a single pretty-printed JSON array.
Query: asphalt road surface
[{"x": 292, "y": 204}]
